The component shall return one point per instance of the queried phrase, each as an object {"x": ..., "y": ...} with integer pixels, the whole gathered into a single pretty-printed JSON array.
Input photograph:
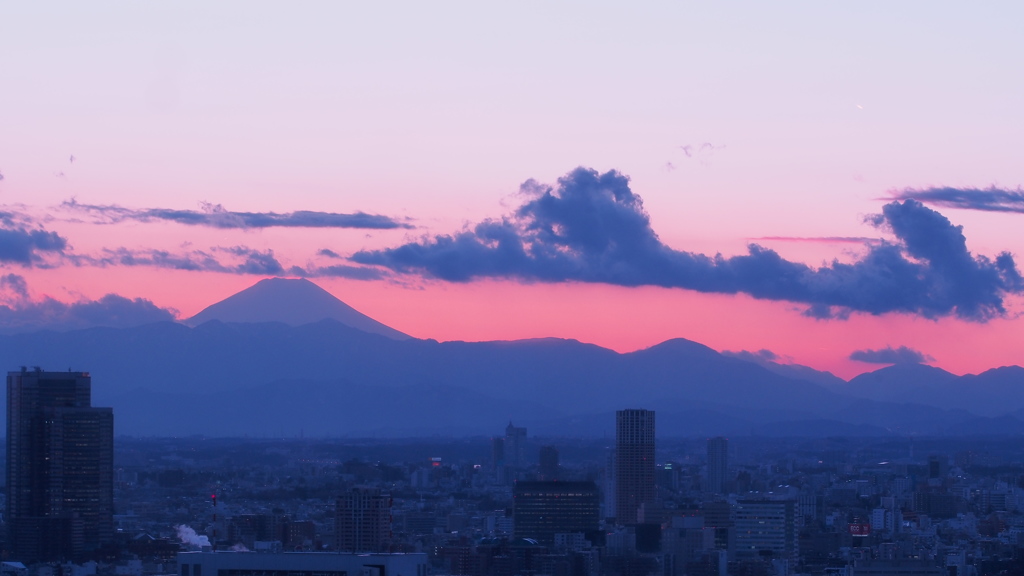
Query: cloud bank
[
  {"x": 216, "y": 216},
  {"x": 20, "y": 314},
  {"x": 591, "y": 227},
  {"x": 890, "y": 355},
  {"x": 989, "y": 200}
]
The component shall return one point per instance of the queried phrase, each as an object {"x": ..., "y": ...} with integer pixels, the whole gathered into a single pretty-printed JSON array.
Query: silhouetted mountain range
[{"x": 327, "y": 377}]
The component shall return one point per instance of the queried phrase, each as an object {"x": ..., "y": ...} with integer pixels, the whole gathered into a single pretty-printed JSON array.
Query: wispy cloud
[
  {"x": 233, "y": 260},
  {"x": 860, "y": 240},
  {"x": 216, "y": 216},
  {"x": 343, "y": 271},
  {"x": 221, "y": 259},
  {"x": 988, "y": 199},
  {"x": 591, "y": 227},
  {"x": 703, "y": 149},
  {"x": 890, "y": 355}
]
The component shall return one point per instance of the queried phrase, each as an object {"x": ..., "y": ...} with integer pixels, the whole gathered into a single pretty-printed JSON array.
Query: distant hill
[
  {"x": 293, "y": 302},
  {"x": 916, "y": 383}
]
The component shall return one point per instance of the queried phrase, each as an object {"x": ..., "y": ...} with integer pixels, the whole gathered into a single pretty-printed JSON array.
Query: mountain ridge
[{"x": 334, "y": 378}]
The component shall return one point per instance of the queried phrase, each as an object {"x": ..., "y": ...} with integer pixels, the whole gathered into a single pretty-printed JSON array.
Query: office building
[
  {"x": 543, "y": 509},
  {"x": 634, "y": 463},
  {"x": 60, "y": 467},
  {"x": 718, "y": 465},
  {"x": 766, "y": 527},
  {"x": 363, "y": 521}
]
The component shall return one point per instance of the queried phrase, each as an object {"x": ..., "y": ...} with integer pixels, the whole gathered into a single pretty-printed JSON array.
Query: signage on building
[{"x": 860, "y": 530}]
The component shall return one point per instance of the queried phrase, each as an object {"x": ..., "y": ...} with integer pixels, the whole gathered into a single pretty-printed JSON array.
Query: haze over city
[{"x": 832, "y": 186}]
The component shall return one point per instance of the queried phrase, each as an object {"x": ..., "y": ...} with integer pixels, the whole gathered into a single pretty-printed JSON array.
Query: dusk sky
[{"x": 781, "y": 177}]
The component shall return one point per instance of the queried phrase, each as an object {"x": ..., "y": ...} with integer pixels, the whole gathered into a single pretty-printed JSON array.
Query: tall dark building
[
  {"x": 634, "y": 463},
  {"x": 515, "y": 444},
  {"x": 548, "y": 468},
  {"x": 718, "y": 464},
  {"x": 60, "y": 467},
  {"x": 543, "y": 509},
  {"x": 363, "y": 521}
]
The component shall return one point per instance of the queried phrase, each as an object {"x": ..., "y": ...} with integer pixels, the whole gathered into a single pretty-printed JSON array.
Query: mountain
[
  {"x": 987, "y": 394},
  {"x": 902, "y": 383},
  {"x": 293, "y": 302}
]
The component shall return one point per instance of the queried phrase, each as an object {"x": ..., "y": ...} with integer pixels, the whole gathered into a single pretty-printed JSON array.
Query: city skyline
[{"x": 176, "y": 155}]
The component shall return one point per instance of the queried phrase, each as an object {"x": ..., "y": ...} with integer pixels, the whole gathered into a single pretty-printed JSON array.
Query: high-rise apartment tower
[
  {"x": 718, "y": 465},
  {"x": 634, "y": 463},
  {"x": 363, "y": 520}
]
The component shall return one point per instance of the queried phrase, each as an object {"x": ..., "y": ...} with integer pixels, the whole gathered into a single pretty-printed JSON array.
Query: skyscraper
[
  {"x": 363, "y": 520},
  {"x": 718, "y": 464},
  {"x": 60, "y": 467},
  {"x": 634, "y": 463}
]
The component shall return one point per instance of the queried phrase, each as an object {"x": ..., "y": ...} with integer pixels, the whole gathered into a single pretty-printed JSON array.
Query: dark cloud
[
  {"x": 216, "y": 216},
  {"x": 591, "y": 227},
  {"x": 890, "y": 355},
  {"x": 328, "y": 252},
  {"x": 990, "y": 199},
  {"x": 254, "y": 261},
  {"x": 25, "y": 246},
  {"x": 15, "y": 285}
]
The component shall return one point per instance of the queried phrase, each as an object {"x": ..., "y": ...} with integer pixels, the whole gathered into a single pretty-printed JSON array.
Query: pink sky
[{"x": 435, "y": 116}]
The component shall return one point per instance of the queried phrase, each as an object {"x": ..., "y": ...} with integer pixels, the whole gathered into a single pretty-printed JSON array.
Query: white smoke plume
[{"x": 188, "y": 536}]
